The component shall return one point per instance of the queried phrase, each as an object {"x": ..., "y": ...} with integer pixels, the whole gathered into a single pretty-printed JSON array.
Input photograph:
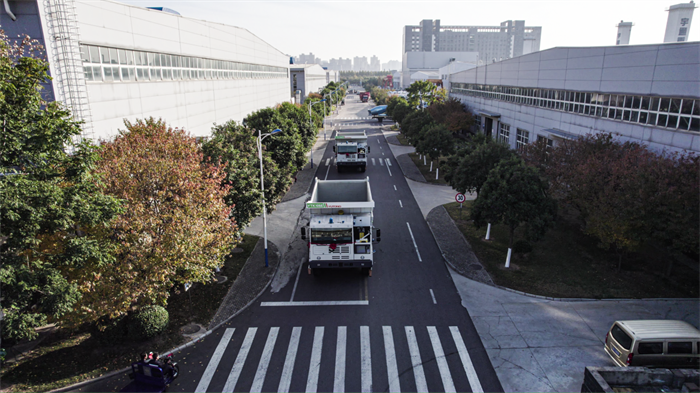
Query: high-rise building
[
  {"x": 360, "y": 64},
  {"x": 391, "y": 65},
  {"x": 307, "y": 59},
  {"x": 678, "y": 25},
  {"x": 374, "y": 64},
  {"x": 512, "y": 38},
  {"x": 624, "y": 29}
]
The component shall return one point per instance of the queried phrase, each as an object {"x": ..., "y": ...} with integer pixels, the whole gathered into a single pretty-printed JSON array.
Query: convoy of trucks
[
  {"x": 341, "y": 226},
  {"x": 351, "y": 150}
]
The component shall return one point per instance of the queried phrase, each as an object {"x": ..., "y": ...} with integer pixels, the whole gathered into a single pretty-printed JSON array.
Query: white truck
[
  {"x": 351, "y": 150},
  {"x": 340, "y": 230}
]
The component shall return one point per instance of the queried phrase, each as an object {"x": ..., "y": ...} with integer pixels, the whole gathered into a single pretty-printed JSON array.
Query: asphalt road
[{"x": 403, "y": 329}]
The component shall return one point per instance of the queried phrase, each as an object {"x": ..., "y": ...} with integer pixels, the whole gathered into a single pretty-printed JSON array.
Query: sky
[{"x": 349, "y": 28}]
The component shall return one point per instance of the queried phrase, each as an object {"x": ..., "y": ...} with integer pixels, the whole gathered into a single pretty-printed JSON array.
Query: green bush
[
  {"x": 149, "y": 321},
  {"x": 522, "y": 247},
  {"x": 110, "y": 331}
]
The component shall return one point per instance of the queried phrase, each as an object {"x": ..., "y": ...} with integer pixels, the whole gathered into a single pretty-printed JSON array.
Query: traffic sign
[{"x": 460, "y": 198}]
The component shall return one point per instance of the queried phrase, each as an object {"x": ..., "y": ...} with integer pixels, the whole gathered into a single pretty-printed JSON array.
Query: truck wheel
[
  {"x": 363, "y": 169},
  {"x": 364, "y": 271},
  {"x": 316, "y": 272}
]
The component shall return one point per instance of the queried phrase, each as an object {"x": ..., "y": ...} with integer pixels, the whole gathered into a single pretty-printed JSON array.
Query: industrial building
[
  {"x": 111, "y": 61},
  {"x": 306, "y": 79},
  {"x": 642, "y": 93}
]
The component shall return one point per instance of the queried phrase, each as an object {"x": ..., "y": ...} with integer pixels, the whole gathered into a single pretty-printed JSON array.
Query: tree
[
  {"x": 453, "y": 114},
  {"x": 53, "y": 214},
  {"x": 413, "y": 125},
  {"x": 450, "y": 165},
  {"x": 422, "y": 92},
  {"x": 474, "y": 168},
  {"x": 513, "y": 194},
  {"x": 175, "y": 228},
  {"x": 437, "y": 141},
  {"x": 235, "y": 146},
  {"x": 401, "y": 110}
]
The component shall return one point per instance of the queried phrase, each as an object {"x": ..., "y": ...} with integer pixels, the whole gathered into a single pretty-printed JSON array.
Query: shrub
[
  {"x": 149, "y": 321},
  {"x": 522, "y": 247}
]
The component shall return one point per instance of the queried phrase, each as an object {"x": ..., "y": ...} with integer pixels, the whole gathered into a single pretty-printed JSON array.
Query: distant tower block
[
  {"x": 679, "y": 18},
  {"x": 624, "y": 29}
]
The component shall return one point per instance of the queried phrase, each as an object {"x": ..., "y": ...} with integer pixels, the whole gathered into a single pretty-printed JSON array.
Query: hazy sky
[{"x": 348, "y": 28}]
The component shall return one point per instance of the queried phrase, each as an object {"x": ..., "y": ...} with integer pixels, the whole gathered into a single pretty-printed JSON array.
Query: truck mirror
[
  {"x": 333, "y": 149},
  {"x": 367, "y": 149},
  {"x": 303, "y": 233},
  {"x": 379, "y": 235}
]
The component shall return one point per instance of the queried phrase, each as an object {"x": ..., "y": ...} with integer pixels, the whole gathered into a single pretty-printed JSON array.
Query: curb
[{"x": 181, "y": 347}]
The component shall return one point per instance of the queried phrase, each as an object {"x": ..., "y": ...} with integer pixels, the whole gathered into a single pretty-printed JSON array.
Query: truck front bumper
[
  {"x": 340, "y": 264},
  {"x": 351, "y": 163}
]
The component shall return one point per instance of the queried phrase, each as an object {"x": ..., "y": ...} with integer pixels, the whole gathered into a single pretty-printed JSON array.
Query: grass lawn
[
  {"x": 425, "y": 169},
  {"x": 567, "y": 263},
  {"x": 64, "y": 358},
  {"x": 402, "y": 139}
]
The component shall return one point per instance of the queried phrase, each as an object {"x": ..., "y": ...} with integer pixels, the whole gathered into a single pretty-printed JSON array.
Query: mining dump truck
[
  {"x": 351, "y": 150},
  {"x": 340, "y": 233}
]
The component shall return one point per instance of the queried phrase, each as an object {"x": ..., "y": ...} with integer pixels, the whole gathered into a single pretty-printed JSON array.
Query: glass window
[
  {"x": 683, "y": 123},
  {"x": 665, "y": 104},
  {"x": 625, "y": 115},
  {"x": 696, "y": 108},
  {"x": 621, "y": 337},
  {"x": 633, "y": 116},
  {"x": 165, "y": 60},
  {"x": 695, "y": 124},
  {"x": 104, "y": 53},
  {"x": 522, "y": 138},
  {"x": 652, "y": 119},
  {"x": 122, "y": 56},
  {"x": 87, "y": 71},
  {"x": 635, "y": 102},
  {"x": 333, "y": 236},
  {"x": 650, "y": 348},
  {"x": 628, "y": 101},
  {"x": 680, "y": 347},
  {"x": 643, "y": 117},
  {"x": 654, "y": 104},
  {"x": 687, "y": 107},
  {"x": 675, "y": 106},
  {"x": 85, "y": 53},
  {"x": 672, "y": 121},
  {"x": 166, "y": 74},
  {"x": 645, "y": 103},
  {"x": 108, "y": 74},
  {"x": 113, "y": 57},
  {"x": 504, "y": 133},
  {"x": 156, "y": 60},
  {"x": 94, "y": 54},
  {"x": 151, "y": 59},
  {"x": 661, "y": 120},
  {"x": 141, "y": 74},
  {"x": 125, "y": 74},
  {"x": 604, "y": 112}
]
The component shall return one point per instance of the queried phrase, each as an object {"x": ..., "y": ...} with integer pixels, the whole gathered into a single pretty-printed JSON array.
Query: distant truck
[
  {"x": 378, "y": 112},
  {"x": 364, "y": 96},
  {"x": 341, "y": 226},
  {"x": 351, "y": 150}
]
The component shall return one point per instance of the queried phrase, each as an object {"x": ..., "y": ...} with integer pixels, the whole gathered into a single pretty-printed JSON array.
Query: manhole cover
[
  {"x": 237, "y": 250},
  {"x": 219, "y": 279},
  {"x": 190, "y": 329}
]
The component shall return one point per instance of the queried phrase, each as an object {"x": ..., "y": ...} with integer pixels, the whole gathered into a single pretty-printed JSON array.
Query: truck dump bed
[
  {"x": 331, "y": 195},
  {"x": 351, "y": 135}
]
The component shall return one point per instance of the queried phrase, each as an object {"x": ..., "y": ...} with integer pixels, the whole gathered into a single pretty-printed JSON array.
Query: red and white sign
[{"x": 460, "y": 198}]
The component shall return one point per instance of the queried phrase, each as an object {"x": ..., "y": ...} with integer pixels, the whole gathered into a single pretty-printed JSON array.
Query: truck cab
[{"x": 351, "y": 150}]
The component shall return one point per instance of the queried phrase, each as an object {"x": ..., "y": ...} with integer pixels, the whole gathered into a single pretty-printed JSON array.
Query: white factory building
[
  {"x": 643, "y": 93},
  {"x": 111, "y": 61}
]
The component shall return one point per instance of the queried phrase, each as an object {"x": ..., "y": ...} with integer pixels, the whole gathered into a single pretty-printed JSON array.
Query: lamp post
[
  {"x": 310, "y": 126},
  {"x": 262, "y": 185}
]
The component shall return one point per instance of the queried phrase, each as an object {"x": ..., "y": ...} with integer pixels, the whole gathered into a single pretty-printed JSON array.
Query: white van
[{"x": 653, "y": 343}]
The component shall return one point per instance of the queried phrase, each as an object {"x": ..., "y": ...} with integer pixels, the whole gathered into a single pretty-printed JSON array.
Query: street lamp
[
  {"x": 310, "y": 127},
  {"x": 262, "y": 184}
]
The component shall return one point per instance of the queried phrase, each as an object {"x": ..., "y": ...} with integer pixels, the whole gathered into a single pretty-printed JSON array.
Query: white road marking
[
  {"x": 315, "y": 363},
  {"x": 286, "y": 379},
  {"x": 395, "y": 188},
  {"x": 339, "y": 380},
  {"x": 381, "y": 162},
  {"x": 414, "y": 242},
  {"x": 381, "y": 147},
  {"x": 327, "y": 303},
  {"x": 373, "y": 163},
  {"x": 327, "y": 170},
  {"x": 466, "y": 361},
  {"x": 328, "y": 161},
  {"x": 297, "y": 281},
  {"x": 387, "y": 167},
  {"x": 230, "y": 385},
  {"x": 400, "y": 203},
  {"x": 421, "y": 385},
  {"x": 433, "y": 296},
  {"x": 447, "y": 382},
  {"x": 391, "y": 368},
  {"x": 264, "y": 361},
  {"x": 365, "y": 360},
  {"x": 214, "y": 361},
  {"x": 388, "y": 162},
  {"x": 382, "y": 153}
]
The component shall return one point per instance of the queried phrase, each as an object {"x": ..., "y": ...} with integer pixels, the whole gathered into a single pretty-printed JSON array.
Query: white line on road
[
  {"x": 421, "y": 385},
  {"x": 326, "y": 303},
  {"x": 388, "y": 162},
  {"x": 327, "y": 170},
  {"x": 433, "y": 296},
  {"x": 297, "y": 280},
  {"x": 381, "y": 162},
  {"x": 315, "y": 363},
  {"x": 264, "y": 361},
  {"x": 240, "y": 360},
  {"x": 286, "y": 379},
  {"x": 214, "y": 361},
  {"x": 447, "y": 382},
  {"x": 466, "y": 361},
  {"x": 328, "y": 161},
  {"x": 387, "y": 165},
  {"x": 339, "y": 381},
  {"x": 414, "y": 242},
  {"x": 400, "y": 203},
  {"x": 395, "y": 188},
  {"x": 373, "y": 163},
  {"x": 365, "y": 360},
  {"x": 391, "y": 369}
]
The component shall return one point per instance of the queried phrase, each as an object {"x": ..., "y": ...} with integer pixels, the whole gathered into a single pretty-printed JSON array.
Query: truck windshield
[
  {"x": 327, "y": 236},
  {"x": 344, "y": 149}
]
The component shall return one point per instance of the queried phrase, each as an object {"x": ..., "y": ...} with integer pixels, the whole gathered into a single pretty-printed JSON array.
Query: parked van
[{"x": 653, "y": 343}]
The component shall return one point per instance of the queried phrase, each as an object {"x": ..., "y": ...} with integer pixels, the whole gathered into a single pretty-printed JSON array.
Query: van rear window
[
  {"x": 680, "y": 347},
  {"x": 621, "y": 337},
  {"x": 653, "y": 348}
]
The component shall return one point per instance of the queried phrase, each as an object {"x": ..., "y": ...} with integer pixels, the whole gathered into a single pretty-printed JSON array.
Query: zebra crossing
[
  {"x": 278, "y": 362},
  {"x": 354, "y": 118}
]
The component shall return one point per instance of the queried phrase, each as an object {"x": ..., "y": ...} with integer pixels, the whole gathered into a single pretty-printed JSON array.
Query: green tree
[
  {"x": 401, "y": 110},
  {"x": 235, "y": 146},
  {"x": 54, "y": 217},
  {"x": 425, "y": 92},
  {"x": 515, "y": 194},
  {"x": 175, "y": 228},
  {"x": 474, "y": 168},
  {"x": 413, "y": 124},
  {"x": 437, "y": 141},
  {"x": 453, "y": 114}
]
